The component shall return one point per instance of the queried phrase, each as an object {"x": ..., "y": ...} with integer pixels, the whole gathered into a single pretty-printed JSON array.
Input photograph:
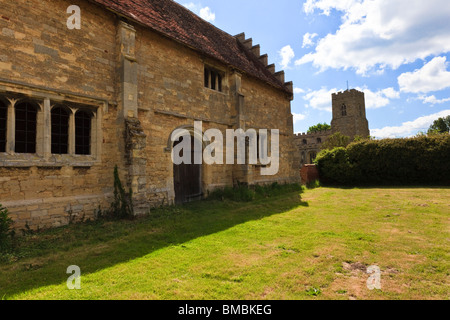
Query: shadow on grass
[{"x": 93, "y": 246}]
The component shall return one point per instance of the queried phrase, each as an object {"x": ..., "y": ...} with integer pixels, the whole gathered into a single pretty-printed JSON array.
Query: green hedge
[{"x": 419, "y": 160}]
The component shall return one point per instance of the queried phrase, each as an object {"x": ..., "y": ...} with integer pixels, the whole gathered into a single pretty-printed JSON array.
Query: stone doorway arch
[{"x": 187, "y": 178}]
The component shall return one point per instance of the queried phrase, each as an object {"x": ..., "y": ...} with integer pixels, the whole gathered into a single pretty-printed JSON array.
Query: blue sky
[{"x": 396, "y": 51}]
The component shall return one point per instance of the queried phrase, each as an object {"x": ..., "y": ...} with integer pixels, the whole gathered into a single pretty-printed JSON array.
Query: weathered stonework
[
  {"x": 349, "y": 118},
  {"x": 139, "y": 85},
  {"x": 354, "y": 122}
]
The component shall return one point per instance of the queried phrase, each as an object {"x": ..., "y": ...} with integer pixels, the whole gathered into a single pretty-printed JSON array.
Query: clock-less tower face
[{"x": 349, "y": 114}]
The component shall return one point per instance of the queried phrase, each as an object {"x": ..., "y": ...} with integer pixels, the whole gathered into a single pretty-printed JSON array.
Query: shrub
[
  {"x": 336, "y": 140},
  {"x": 419, "y": 160},
  {"x": 6, "y": 232},
  {"x": 245, "y": 193}
]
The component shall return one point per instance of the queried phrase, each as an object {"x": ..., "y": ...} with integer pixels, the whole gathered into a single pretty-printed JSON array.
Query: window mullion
[
  {"x": 72, "y": 131},
  {"x": 11, "y": 127},
  {"x": 209, "y": 79},
  {"x": 44, "y": 130}
]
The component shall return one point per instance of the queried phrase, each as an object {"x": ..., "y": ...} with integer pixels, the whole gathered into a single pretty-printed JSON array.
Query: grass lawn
[{"x": 310, "y": 245}]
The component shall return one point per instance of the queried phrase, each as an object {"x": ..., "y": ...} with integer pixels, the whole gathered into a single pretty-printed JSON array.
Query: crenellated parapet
[
  {"x": 347, "y": 93},
  {"x": 313, "y": 134},
  {"x": 264, "y": 59}
]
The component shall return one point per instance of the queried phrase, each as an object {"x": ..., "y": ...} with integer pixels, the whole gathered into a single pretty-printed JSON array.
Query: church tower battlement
[
  {"x": 349, "y": 114},
  {"x": 349, "y": 118}
]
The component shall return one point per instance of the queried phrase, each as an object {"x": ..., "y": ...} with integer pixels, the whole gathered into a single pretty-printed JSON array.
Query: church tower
[{"x": 349, "y": 114}]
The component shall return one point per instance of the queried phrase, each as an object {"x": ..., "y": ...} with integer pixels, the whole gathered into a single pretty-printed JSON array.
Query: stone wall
[
  {"x": 309, "y": 144},
  {"x": 354, "y": 121},
  {"x": 41, "y": 59},
  {"x": 140, "y": 87},
  {"x": 349, "y": 118}
]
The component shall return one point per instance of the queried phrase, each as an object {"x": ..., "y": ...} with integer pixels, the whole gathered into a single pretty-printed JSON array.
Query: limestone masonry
[
  {"x": 76, "y": 103},
  {"x": 349, "y": 118}
]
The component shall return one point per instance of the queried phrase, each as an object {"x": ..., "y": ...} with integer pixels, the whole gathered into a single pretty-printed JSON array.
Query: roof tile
[{"x": 176, "y": 22}]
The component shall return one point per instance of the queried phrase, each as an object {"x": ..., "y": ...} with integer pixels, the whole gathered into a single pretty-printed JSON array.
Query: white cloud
[
  {"x": 391, "y": 93},
  {"x": 409, "y": 128},
  {"x": 191, "y": 6},
  {"x": 308, "y": 39},
  {"x": 298, "y": 90},
  {"x": 326, "y": 5},
  {"x": 380, "y": 98},
  {"x": 204, "y": 12},
  {"x": 433, "y": 76},
  {"x": 432, "y": 100},
  {"x": 298, "y": 117},
  {"x": 320, "y": 99},
  {"x": 287, "y": 54},
  {"x": 376, "y": 34}
]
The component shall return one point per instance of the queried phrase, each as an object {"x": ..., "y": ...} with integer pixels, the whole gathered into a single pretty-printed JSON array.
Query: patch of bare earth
[{"x": 353, "y": 281}]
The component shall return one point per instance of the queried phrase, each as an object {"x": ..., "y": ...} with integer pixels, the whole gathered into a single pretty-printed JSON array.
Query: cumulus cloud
[
  {"x": 204, "y": 12},
  {"x": 326, "y": 5},
  {"x": 409, "y": 128},
  {"x": 191, "y": 6},
  {"x": 321, "y": 99},
  {"x": 298, "y": 117},
  {"x": 308, "y": 39},
  {"x": 376, "y": 34},
  {"x": 433, "y": 76},
  {"x": 298, "y": 90},
  {"x": 432, "y": 100},
  {"x": 380, "y": 98},
  {"x": 287, "y": 54}
]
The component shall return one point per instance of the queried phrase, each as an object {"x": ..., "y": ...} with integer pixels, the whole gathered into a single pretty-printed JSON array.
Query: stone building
[
  {"x": 76, "y": 102},
  {"x": 349, "y": 118}
]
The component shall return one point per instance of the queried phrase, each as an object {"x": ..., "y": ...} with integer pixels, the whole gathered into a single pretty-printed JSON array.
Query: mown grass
[{"x": 278, "y": 246}]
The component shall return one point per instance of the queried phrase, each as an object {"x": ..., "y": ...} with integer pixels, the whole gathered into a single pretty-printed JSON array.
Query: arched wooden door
[{"x": 187, "y": 178}]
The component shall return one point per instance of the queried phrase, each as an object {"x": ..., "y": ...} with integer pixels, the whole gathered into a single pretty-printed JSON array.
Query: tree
[
  {"x": 336, "y": 140},
  {"x": 319, "y": 127},
  {"x": 441, "y": 125}
]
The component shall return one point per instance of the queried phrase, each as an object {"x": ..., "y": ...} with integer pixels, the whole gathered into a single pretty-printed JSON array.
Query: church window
[
  {"x": 344, "y": 110},
  {"x": 213, "y": 79},
  {"x": 60, "y": 130},
  {"x": 83, "y": 121},
  {"x": 26, "y": 126}
]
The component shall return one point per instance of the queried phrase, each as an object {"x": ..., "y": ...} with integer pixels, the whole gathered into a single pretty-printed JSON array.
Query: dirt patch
[{"x": 357, "y": 266}]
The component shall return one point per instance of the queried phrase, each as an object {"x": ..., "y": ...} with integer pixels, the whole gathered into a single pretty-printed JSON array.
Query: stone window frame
[
  {"x": 219, "y": 80},
  {"x": 3, "y": 105},
  {"x": 43, "y": 156},
  {"x": 344, "y": 110}
]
